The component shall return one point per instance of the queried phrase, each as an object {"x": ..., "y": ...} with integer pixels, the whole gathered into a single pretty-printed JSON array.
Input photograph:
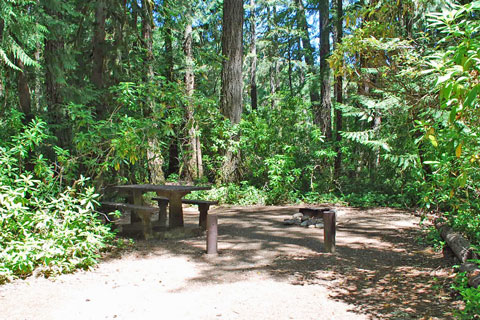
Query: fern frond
[
  {"x": 19, "y": 54},
  {"x": 363, "y": 138},
  {"x": 4, "y": 58},
  {"x": 403, "y": 161}
]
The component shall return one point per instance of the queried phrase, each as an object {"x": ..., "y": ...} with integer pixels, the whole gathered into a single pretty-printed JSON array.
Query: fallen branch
[
  {"x": 460, "y": 246},
  {"x": 463, "y": 251}
]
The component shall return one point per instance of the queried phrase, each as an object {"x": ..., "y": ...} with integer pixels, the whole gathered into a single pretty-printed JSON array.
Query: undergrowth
[{"x": 46, "y": 228}]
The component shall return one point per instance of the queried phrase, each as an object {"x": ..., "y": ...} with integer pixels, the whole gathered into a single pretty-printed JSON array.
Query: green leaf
[{"x": 471, "y": 96}]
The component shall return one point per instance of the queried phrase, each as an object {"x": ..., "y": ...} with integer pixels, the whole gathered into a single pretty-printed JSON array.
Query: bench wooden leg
[{"x": 202, "y": 220}]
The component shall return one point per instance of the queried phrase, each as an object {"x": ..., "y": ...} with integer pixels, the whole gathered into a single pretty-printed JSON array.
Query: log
[
  {"x": 474, "y": 278},
  {"x": 463, "y": 251},
  {"x": 460, "y": 246}
]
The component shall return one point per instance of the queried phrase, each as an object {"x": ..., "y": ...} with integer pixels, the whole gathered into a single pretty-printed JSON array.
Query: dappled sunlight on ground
[{"x": 264, "y": 270}]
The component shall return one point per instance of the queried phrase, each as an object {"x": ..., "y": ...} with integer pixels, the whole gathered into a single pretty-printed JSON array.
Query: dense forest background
[{"x": 370, "y": 102}]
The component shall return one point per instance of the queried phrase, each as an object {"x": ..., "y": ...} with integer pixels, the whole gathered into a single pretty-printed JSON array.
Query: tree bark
[
  {"x": 231, "y": 104},
  {"x": 173, "y": 152},
  {"x": 309, "y": 60},
  {"x": 98, "y": 54},
  {"x": 460, "y": 246},
  {"x": 253, "y": 54},
  {"x": 54, "y": 75},
  {"x": 325, "y": 120},
  {"x": 232, "y": 50},
  {"x": 338, "y": 92},
  {"x": 154, "y": 153},
  {"x": 24, "y": 93},
  {"x": 193, "y": 154}
]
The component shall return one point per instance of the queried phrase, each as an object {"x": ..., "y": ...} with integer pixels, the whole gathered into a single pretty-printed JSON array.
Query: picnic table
[{"x": 174, "y": 193}]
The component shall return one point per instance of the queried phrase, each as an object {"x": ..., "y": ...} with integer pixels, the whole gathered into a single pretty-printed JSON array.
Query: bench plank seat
[
  {"x": 122, "y": 206},
  {"x": 145, "y": 213}
]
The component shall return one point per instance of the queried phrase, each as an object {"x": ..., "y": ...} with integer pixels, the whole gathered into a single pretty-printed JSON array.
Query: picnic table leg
[
  {"x": 202, "y": 221},
  {"x": 175, "y": 214},
  {"x": 329, "y": 221},
  {"x": 162, "y": 212}
]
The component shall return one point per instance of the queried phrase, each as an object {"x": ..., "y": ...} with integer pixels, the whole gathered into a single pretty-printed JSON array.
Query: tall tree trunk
[
  {"x": 38, "y": 78},
  {"x": 98, "y": 55},
  {"x": 309, "y": 60},
  {"x": 231, "y": 104},
  {"x": 338, "y": 91},
  {"x": 290, "y": 71},
  {"x": 119, "y": 45},
  {"x": 253, "y": 54},
  {"x": 326, "y": 102},
  {"x": 154, "y": 153},
  {"x": 54, "y": 74},
  {"x": 173, "y": 152},
  {"x": 193, "y": 154},
  {"x": 24, "y": 93}
]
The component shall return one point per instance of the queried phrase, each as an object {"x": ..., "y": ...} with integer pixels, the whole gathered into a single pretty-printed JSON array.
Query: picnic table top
[{"x": 160, "y": 187}]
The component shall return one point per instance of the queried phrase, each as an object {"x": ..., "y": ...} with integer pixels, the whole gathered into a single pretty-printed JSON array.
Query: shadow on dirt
[{"x": 379, "y": 269}]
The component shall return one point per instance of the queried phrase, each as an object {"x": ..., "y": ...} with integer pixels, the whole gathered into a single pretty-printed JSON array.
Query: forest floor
[{"x": 264, "y": 270}]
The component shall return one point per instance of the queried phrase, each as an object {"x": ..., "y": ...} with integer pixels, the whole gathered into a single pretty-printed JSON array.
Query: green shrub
[
  {"x": 471, "y": 297},
  {"x": 45, "y": 227}
]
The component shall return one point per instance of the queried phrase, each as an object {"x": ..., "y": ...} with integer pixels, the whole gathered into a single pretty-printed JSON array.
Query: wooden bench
[
  {"x": 203, "y": 207},
  {"x": 144, "y": 212},
  {"x": 329, "y": 224}
]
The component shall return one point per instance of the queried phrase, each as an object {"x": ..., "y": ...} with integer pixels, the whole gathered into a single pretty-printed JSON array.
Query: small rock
[
  {"x": 307, "y": 223},
  {"x": 319, "y": 225},
  {"x": 305, "y": 218},
  {"x": 289, "y": 222},
  {"x": 298, "y": 215},
  {"x": 311, "y": 226}
]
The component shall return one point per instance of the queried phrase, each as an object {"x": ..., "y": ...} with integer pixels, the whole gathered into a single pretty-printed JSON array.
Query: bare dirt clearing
[{"x": 265, "y": 270}]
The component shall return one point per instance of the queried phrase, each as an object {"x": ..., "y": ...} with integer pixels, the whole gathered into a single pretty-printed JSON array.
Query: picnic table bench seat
[
  {"x": 203, "y": 207},
  {"x": 145, "y": 213}
]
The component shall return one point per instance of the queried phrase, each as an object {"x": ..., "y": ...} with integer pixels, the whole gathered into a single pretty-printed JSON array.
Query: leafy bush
[
  {"x": 243, "y": 194},
  {"x": 471, "y": 297},
  {"x": 45, "y": 227}
]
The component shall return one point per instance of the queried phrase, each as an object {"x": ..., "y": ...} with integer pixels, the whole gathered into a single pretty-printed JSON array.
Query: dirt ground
[{"x": 264, "y": 270}]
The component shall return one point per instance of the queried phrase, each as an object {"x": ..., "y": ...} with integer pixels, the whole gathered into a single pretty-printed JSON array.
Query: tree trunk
[
  {"x": 290, "y": 71},
  {"x": 309, "y": 60},
  {"x": 154, "y": 153},
  {"x": 231, "y": 104},
  {"x": 338, "y": 91},
  {"x": 54, "y": 72},
  {"x": 193, "y": 152},
  {"x": 24, "y": 93},
  {"x": 253, "y": 54},
  {"x": 326, "y": 104},
  {"x": 98, "y": 55},
  {"x": 173, "y": 152}
]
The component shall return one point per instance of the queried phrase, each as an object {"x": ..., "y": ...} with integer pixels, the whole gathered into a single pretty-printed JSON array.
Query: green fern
[
  {"x": 364, "y": 138},
  {"x": 4, "y": 58}
]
